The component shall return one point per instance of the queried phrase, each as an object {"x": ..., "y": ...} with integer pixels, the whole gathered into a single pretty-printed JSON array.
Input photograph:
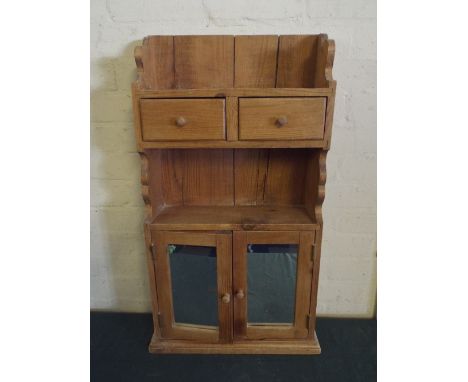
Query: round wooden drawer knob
[
  {"x": 226, "y": 298},
  {"x": 181, "y": 121},
  {"x": 281, "y": 121},
  {"x": 240, "y": 294}
]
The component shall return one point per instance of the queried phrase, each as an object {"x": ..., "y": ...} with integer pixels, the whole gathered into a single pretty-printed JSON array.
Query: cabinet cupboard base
[{"x": 248, "y": 347}]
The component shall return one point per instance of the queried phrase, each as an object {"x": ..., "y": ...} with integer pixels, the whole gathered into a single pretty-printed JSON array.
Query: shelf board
[
  {"x": 232, "y": 92},
  {"x": 267, "y": 218},
  {"x": 244, "y": 144}
]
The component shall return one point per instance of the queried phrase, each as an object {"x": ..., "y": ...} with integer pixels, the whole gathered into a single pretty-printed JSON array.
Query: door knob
[
  {"x": 240, "y": 294},
  {"x": 181, "y": 121},
  {"x": 281, "y": 121},
  {"x": 226, "y": 298}
]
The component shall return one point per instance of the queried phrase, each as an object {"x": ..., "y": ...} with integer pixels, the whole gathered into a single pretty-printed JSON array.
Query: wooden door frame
[
  {"x": 300, "y": 328},
  {"x": 180, "y": 331}
]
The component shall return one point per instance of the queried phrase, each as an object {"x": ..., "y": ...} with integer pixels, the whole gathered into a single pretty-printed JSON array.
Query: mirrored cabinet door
[
  {"x": 193, "y": 273},
  {"x": 272, "y": 284}
]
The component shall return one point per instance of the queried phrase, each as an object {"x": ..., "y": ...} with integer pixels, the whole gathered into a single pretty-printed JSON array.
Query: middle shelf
[{"x": 212, "y": 218}]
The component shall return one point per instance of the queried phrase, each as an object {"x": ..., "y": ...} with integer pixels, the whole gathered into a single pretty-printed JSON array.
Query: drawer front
[
  {"x": 281, "y": 118},
  {"x": 182, "y": 119}
]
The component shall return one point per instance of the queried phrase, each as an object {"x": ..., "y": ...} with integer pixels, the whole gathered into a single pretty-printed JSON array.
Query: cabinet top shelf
[
  {"x": 207, "y": 62},
  {"x": 268, "y": 218}
]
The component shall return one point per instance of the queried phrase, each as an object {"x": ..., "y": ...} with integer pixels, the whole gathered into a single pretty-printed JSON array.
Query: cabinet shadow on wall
[{"x": 118, "y": 271}]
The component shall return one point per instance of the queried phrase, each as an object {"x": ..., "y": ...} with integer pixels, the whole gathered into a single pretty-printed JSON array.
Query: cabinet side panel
[
  {"x": 284, "y": 183},
  {"x": 324, "y": 61},
  {"x": 316, "y": 184},
  {"x": 311, "y": 182}
]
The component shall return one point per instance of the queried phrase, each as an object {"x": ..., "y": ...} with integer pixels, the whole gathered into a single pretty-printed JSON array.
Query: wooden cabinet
[{"x": 233, "y": 133}]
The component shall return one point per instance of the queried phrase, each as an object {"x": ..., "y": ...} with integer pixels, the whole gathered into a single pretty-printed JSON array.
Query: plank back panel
[
  {"x": 255, "y": 61},
  {"x": 190, "y": 62},
  {"x": 201, "y": 177},
  {"x": 208, "y": 177},
  {"x": 227, "y": 177},
  {"x": 269, "y": 176},
  {"x": 296, "y": 61},
  {"x": 204, "y": 61},
  {"x": 158, "y": 62}
]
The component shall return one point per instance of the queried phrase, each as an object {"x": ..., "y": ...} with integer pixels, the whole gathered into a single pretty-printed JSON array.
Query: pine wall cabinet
[{"x": 233, "y": 133}]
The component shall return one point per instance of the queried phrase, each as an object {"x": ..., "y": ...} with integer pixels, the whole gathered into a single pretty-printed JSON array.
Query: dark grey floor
[{"x": 119, "y": 353}]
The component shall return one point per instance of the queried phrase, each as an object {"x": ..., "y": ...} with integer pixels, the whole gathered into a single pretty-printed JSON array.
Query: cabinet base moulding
[{"x": 247, "y": 347}]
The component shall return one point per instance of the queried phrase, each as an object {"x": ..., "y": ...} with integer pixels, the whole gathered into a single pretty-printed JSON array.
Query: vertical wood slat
[
  {"x": 296, "y": 61},
  {"x": 239, "y": 280},
  {"x": 165, "y": 178},
  {"x": 163, "y": 280},
  {"x": 204, "y": 62},
  {"x": 224, "y": 276},
  {"x": 152, "y": 280},
  {"x": 158, "y": 62},
  {"x": 232, "y": 118},
  {"x": 208, "y": 177},
  {"x": 255, "y": 61},
  {"x": 303, "y": 283},
  {"x": 249, "y": 177},
  {"x": 154, "y": 184},
  {"x": 172, "y": 172},
  {"x": 315, "y": 280}
]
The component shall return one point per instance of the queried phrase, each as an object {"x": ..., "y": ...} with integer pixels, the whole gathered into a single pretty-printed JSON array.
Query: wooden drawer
[
  {"x": 182, "y": 119},
  {"x": 281, "y": 118}
]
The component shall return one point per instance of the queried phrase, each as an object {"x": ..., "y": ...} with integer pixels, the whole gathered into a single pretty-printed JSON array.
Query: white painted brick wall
[{"x": 118, "y": 273}]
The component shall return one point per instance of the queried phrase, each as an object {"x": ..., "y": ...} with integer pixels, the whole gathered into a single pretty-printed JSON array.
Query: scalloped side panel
[{"x": 145, "y": 189}]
